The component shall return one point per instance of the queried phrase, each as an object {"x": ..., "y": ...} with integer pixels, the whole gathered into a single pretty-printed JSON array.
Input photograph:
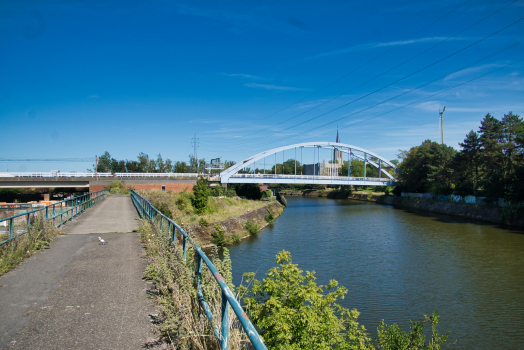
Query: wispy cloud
[
  {"x": 274, "y": 87},
  {"x": 370, "y": 46},
  {"x": 93, "y": 96},
  {"x": 471, "y": 70},
  {"x": 241, "y": 75}
]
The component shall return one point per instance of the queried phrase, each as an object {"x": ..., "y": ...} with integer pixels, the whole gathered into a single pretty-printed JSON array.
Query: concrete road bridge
[{"x": 254, "y": 168}]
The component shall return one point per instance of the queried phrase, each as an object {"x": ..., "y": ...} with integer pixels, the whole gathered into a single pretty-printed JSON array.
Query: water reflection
[{"x": 398, "y": 264}]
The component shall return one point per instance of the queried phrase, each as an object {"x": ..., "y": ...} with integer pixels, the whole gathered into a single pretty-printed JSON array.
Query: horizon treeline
[
  {"x": 490, "y": 162},
  {"x": 144, "y": 164}
]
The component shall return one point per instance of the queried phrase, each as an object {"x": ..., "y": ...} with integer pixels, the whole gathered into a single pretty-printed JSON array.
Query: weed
[
  {"x": 217, "y": 237},
  {"x": 252, "y": 227},
  {"x": 203, "y": 222}
]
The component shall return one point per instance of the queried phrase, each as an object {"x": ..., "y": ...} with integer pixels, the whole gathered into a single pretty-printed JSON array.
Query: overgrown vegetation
[
  {"x": 217, "y": 237},
  {"x": 182, "y": 320},
  {"x": 252, "y": 227},
  {"x": 40, "y": 235},
  {"x": 118, "y": 187},
  {"x": 179, "y": 206},
  {"x": 293, "y": 312}
]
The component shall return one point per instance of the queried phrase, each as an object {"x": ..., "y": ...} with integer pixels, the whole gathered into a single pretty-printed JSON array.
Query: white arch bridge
[{"x": 254, "y": 169}]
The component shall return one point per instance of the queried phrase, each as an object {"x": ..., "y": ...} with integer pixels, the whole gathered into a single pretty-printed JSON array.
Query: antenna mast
[{"x": 441, "y": 125}]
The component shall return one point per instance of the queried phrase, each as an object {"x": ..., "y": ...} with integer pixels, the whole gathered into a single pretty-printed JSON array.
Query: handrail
[
  {"x": 73, "y": 207},
  {"x": 55, "y": 174},
  {"x": 147, "y": 210},
  {"x": 308, "y": 177}
]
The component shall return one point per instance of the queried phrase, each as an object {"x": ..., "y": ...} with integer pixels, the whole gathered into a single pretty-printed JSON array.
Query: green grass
[{"x": 14, "y": 252}]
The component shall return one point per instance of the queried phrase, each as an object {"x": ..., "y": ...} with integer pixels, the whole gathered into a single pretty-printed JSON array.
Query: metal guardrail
[
  {"x": 54, "y": 174},
  {"x": 69, "y": 207},
  {"x": 307, "y": 177},
  {"x": 147, "y": 210}
]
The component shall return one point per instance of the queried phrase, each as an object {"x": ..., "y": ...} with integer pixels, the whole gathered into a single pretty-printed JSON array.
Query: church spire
[{"x": 338, "y": 138}]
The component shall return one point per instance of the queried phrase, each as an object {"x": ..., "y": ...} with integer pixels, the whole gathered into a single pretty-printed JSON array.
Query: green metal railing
[
  {"x": 68, "y": 208},
  {"x": 147, "y": 210}
]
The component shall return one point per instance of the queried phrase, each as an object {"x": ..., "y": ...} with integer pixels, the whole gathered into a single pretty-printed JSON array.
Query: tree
[
  {"x": 289, "y": 168},
  {"x": 427, "y": 168},
  {"x": 104, "y": 163},
  {"x": 201, "y": 194},
  {"x": 492, "y": 158},
  {"x": 468, "y": 160},
  {"x": 293, "y": 312}
]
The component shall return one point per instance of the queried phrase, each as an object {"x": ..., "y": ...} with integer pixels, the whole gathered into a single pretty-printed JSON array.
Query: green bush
[
  {"x": 269, "y": 217},
  {"x": 164, "y": 209},
  {"x": 183, "y": 203},
  {"x": 267, "y": 194},
  {"x": 236, "y": 238},
  {"x": 252, "y": 227},
  {"x": 217, "y": 237},
  {"x": 200, "y": 194},
  {"x": 203, "y": 222}
]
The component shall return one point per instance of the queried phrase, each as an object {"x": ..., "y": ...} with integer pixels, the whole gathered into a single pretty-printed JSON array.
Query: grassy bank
[
  {"x": 40, "y": 235},
  {"x": 237, "y": 217}
]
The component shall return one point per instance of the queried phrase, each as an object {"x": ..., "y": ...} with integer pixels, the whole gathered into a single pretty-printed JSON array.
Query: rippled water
[{"x": 398, "y": 264}]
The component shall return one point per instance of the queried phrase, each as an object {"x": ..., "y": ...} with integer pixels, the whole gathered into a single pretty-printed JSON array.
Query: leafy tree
[
  {"x": 201, "y": 194},
  {"x": 143, "y": 160},
  {"x": 427, "y": 168},
  {"x": 104, "y": 163},
  {"x": 181, "y": 167},
  {"x": 293, "y": 312},
  {"x": 289, "y": 168},
  {"x": 193, "y": 164},
  {"x": 217, "y": 237},
  {"x": 250, "y": 191},
  {"x": 159, "y": 164}
]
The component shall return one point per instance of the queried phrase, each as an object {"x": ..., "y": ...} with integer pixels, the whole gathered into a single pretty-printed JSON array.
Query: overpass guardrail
[
  {"x": 69, "y": 207},
  {"x": 147, "y": 210},
  {"x": 307, "y": 177},
  {"x": 95, "y": 175}
]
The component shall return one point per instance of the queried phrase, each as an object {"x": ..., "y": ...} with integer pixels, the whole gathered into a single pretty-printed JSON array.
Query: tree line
[
  {"x": 490, "y": 163},
  {"x": 144, "y": 164}
]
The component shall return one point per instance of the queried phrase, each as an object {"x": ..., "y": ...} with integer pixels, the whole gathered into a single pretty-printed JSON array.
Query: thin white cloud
[
  {"x": 370, "y": 46},
  {"x": 241, "y": 75},
  {"x": 274, "y": 87},
  {"x": 93, "y": 96},
  {"x": 471, "y": 70}
]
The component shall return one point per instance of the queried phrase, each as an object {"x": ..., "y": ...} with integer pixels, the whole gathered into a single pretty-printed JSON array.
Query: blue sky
[{"x": 78, "y": 78}]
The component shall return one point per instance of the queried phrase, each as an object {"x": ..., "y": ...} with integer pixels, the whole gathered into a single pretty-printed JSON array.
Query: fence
[
  {"x": 147, "y": 210},
  {"x": 455, "y": 198},
  {"x": 69, "y": 207}
]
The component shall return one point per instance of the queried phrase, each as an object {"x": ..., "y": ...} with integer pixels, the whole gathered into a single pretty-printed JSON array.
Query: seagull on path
[{"x": 101, "y": 241}]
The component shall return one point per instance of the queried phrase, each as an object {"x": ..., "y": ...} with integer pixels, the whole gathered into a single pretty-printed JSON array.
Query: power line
[
  {"x": 349, "y": 73},
  {"x": 82, "y": 160},
  {"x": 408, "y": 60}
]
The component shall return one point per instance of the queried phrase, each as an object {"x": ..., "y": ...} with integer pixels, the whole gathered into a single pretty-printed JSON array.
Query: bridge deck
[{"x": 79, "y": 294}]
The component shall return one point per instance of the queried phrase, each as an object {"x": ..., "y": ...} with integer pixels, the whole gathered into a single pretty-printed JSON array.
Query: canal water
[{"x": 399, "y": 264}]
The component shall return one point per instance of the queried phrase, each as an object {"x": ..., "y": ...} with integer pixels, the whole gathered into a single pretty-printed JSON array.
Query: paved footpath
[{"x": 79, "y": 294}]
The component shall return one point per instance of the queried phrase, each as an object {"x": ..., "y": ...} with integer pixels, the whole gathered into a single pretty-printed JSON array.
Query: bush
[
  {"x": 236, "y": 238},
  {"x": 203, "y": 222},
  {"x": 164, "y": 209},
  {"x": 269, "y": 217},
  {"x": 252, "y": 227},
  {"x": 218, "y": 236},
  {"x": 183, "y": 203},
  {"x": 267, "y": 194},
  {"x": 201, "y": 192}
]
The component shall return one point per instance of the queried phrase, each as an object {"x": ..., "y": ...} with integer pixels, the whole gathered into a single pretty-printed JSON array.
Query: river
[{"x": 399, "y": 264}]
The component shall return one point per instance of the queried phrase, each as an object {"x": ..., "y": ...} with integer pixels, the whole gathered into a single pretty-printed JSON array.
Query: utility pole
[
  {"x": 441, "y": 125},
  {"x": 195, "y": 146}
]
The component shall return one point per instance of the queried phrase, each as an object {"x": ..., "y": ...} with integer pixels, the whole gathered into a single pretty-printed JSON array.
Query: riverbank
[
  {"x": 469, "y": 211},
  {"x": 234, "y": 228}
]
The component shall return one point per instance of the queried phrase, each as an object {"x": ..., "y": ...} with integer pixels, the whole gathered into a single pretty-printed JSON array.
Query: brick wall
[{"x": 168, "y": 187}]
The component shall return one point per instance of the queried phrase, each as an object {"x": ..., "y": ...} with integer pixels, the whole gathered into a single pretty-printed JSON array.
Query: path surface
[{"x": 79, "y": 294}]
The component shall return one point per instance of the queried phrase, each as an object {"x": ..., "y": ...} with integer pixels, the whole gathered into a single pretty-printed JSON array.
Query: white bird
[{"x": 101, "y": 240}]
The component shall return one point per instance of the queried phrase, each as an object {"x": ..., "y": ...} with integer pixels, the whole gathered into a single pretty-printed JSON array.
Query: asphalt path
[{"x": 80, "y": 294}]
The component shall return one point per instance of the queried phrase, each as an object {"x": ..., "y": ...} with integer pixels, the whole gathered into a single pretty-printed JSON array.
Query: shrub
[
  {"x": 236, "y": 238},
  {"x": 164, "y": 209},
  {"x": 203, "y": 222},
  {"x": 269, "y": 217},
  {"x": 183, "y": 203},
  {"x": 267, "y": 194},
  {"x": 201, "y": 192},
  {"x": 217, "y": 237},
  {"x": 252, "y": 227}
]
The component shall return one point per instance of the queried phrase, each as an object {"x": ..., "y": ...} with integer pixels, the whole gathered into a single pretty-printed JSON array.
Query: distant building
[{"x": 326, "y": 169}]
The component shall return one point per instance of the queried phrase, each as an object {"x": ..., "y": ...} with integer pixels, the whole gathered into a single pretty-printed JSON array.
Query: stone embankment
[
  {"x": 236, "y": 226},
  {"x": 470, "y": 211}
]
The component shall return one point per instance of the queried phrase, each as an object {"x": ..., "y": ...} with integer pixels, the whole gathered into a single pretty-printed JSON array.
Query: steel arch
[{"x": 343, "y": 147}]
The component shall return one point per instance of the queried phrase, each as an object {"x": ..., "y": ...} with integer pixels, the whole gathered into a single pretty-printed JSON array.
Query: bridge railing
[
  {"x": 307, "y": 177},
  {"x": 56, "y": 174},
  {"x": 147, "y": 210},
  {"x": 68, "y": 208},
  {"x": 156, "y": 174}
]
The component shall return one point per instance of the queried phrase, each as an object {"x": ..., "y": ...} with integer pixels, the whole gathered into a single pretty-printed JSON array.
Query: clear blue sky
[{"x": 78, "y": 78}]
